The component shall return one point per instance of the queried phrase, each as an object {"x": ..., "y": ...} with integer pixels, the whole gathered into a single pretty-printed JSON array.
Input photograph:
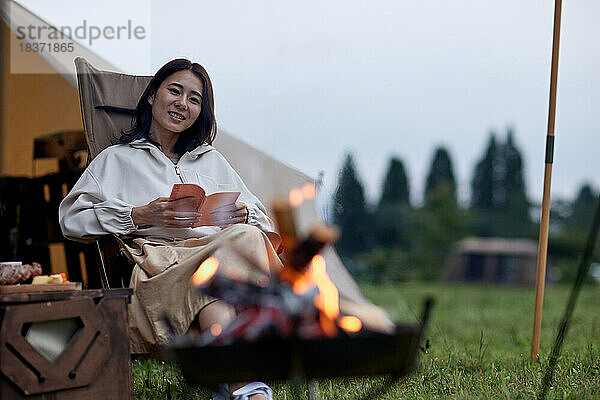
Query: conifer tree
[
  {"x": 395, "y": 187},
  {"x": 582, "y": 209},
  {"x": 516, "y": 203},
  {"x": 498, "y": 195},
  {"x": 440, "y": 173},
  {"x": 391, "y": 219},
  {"x": 349, "y": 212},
  {"x": 484, "y": 181}
]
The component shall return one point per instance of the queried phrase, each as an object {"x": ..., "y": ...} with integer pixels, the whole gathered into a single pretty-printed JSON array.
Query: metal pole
[
  {"x": 545, "y": 221},
  {"x": 102, "y": 267}
]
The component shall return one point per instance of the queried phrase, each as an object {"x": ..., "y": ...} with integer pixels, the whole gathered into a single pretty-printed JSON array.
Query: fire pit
[
  {"x": 370, "y": 353},
  {"x": 294, "y": 321}
]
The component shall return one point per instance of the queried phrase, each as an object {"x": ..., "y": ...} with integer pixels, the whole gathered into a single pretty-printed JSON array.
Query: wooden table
[{"x": 92, "y": 361}]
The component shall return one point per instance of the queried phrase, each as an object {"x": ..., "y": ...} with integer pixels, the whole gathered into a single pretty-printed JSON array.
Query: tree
[
  {"x": 516, "y": 203},
  {"x": 498, "y": 196},
  {"x": 349, "y": 212},
  {"x": 395, "y": 187},
  {"x": 436, "y": 227},
  {"x": 582, "y": 209},
  {"x": 440, "y": 173},
  {"x": 575, "y": 220},
  {"x": 440, "y": 223},
  {"x": 390, "y": 219},
  {"x": 484, "y": 181}
]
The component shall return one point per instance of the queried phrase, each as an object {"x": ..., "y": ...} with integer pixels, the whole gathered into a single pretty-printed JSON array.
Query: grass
[{"x": 478, "y": 347}]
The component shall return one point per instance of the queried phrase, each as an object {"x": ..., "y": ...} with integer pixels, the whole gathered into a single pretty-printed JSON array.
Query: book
[{"x": 202, "y": 203}]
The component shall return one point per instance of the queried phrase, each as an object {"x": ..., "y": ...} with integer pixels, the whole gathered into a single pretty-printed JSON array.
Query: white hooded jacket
[{"x": 130, "y": 175}]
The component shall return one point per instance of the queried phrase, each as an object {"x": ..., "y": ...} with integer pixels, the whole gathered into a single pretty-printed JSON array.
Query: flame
[
  {"x": 350, "y": 323},
  {"x": 328, "y": 299},
  {"x": 299, "y": 195},
  {"x": 309, "y": 191},
  {"x": 205, "y": 271},
  {"x": 328, "y": 325},
  {"x": 301, "y": 282},
  {"x": 216, "y": 329},
  {"x": 296, "y": 197}
]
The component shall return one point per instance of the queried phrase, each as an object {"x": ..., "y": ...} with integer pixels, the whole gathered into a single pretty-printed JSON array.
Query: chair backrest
[{"x": 108, "y": 100}]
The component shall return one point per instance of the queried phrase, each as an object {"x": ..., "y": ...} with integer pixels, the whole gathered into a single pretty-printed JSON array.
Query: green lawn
[{"x": 479, "y": 338}]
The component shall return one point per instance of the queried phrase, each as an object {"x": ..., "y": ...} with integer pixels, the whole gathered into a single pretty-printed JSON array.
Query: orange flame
[
  {"x": 296, "y": 197},
  {"x": 350, "y": 324},
  {"x": 327, "y": 301},
  {"x": 328, "y": 325},
  {"x": 205, "y": 271},
  {"x": 309, "y": 191},
  {"x": 301, "y": 282},
  {"x": 216, "y": 329}
]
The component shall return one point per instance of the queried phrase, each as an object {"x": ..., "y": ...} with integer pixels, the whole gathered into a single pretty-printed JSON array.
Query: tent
[
  {"x": 493, "y": 260},
  {"x": 45, "y": 100}
]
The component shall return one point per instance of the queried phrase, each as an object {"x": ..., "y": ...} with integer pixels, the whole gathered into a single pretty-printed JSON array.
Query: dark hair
[{"x": 203, "y": 130}]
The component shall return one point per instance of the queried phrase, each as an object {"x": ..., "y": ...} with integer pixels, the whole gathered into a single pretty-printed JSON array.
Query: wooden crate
[{"x": 95, "y": 362}]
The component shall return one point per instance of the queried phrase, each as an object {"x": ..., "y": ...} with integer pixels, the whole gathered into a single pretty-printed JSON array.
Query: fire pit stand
[{"x": 365, "y": 353}]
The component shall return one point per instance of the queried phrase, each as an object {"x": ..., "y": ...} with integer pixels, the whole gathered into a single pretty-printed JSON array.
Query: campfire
[
  {"x": 294, "y": 319},
  {"x": 301, "y": 301}
]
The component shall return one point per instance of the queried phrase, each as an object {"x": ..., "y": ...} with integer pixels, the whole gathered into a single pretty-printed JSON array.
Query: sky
[{"x": 308, "y": 81}]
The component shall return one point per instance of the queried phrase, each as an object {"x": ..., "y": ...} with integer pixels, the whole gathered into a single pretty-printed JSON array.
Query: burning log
[
  {"x": 320, "y": 236},
  {"x": 284, "y": 217},
  {"x": 298, "y": 253},
  {"x": 208, "y": 280}
]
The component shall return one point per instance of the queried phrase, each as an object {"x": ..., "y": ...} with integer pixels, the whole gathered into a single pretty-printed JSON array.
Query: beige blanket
[{"x": 161, "y": 278}]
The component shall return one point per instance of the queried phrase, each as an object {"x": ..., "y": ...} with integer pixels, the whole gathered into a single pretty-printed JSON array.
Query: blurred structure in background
[{"x": 494, "y": 261}]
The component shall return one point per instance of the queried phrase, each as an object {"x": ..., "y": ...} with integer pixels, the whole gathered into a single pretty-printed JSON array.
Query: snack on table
[
  {"x": 45, "y": 279},
  {"x": 13, "y": 273},
  {"x": 38, "y": 280}
]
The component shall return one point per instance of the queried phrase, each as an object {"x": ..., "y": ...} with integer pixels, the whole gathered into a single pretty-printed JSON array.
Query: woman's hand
[
  {"x": 236, "y": 213},
  {"x": 162, "y": 212}
]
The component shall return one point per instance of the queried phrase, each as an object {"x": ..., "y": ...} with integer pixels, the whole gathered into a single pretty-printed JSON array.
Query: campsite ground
[{"x": 479, "y": 338}]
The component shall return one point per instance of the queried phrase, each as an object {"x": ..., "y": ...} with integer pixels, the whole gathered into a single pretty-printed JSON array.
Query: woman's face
[{"x": 177, "y": 103}]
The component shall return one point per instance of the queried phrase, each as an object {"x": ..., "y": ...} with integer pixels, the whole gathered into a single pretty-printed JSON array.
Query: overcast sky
[{"x": 307, "y": 81}]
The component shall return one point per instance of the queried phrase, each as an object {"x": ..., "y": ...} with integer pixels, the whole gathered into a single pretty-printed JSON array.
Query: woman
[{"x": 123, "y": 191}]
